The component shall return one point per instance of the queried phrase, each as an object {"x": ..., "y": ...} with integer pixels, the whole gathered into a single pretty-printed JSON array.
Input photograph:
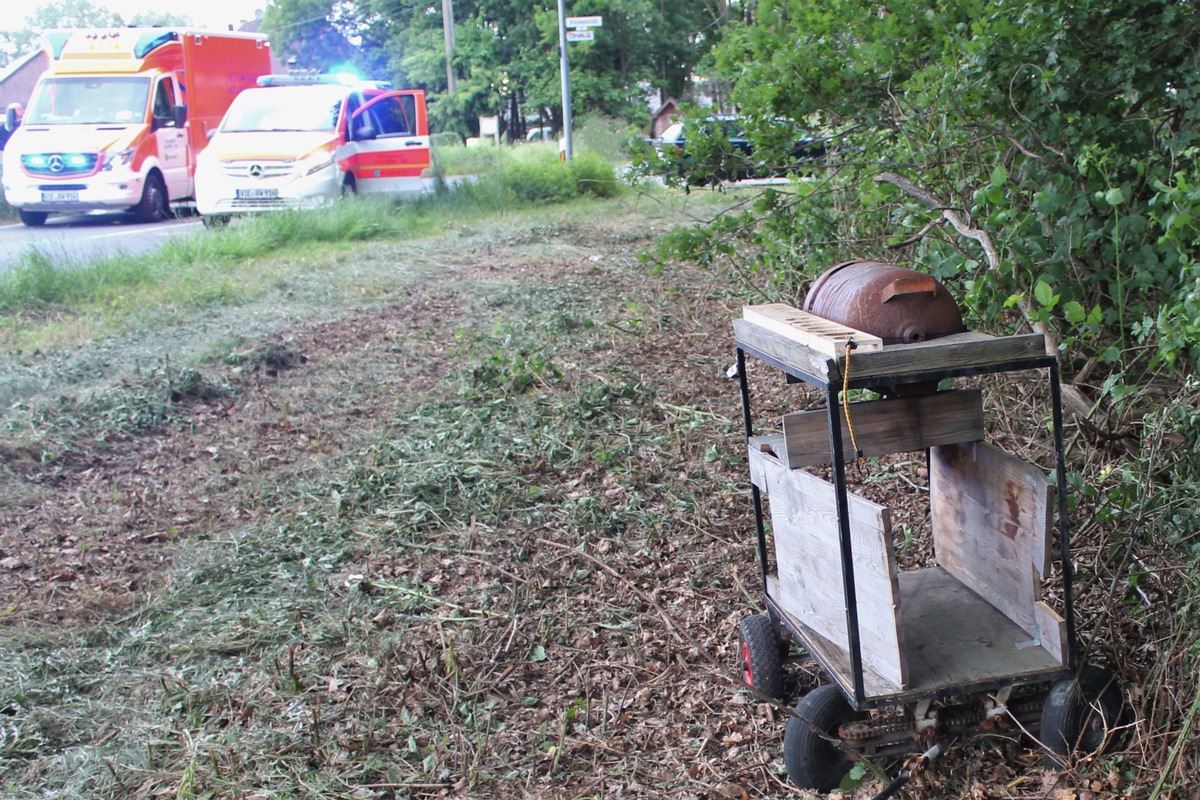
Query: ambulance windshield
[
  {"x": 89, "y": 100},
  {"x": 285, "y": 108}
]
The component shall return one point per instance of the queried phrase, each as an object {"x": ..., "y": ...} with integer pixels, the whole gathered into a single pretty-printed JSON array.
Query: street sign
[
  {"x": 581, "y": 36},
  {"x": 585, "y": 22}
]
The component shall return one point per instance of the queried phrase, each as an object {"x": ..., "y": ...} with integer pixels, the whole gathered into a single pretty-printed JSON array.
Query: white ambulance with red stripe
[{"x": 303, "y": 142}]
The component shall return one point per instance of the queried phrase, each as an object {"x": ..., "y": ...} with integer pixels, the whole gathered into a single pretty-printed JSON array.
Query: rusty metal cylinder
[{"x": 897, "y": 304}]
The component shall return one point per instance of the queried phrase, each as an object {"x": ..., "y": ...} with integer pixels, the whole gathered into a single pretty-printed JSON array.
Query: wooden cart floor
[{"x": 953, "y": 640}]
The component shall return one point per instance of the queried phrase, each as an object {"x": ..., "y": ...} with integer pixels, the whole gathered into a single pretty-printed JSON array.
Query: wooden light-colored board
[
  {"x": 991, "y": 523},
  {"x": 956, "y": 638},
  {"x": 953, "y": 640},
  {"x": 808, "y": 555},
  {"x": 834, "y": 658},
  {"x": 895, "y": 425},
  {"x": 959, "y": 350},
  {"x": 818, "y": 333}
]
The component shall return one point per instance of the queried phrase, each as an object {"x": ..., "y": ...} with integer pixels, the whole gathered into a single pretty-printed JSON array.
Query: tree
[
  {"x": 1060, "y": 134},
  {"x": 73, "y": 14},
  {"x": 506, "y": 57}
]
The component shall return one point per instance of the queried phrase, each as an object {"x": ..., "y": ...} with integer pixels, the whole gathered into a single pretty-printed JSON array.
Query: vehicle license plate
[
  {"x": 257, "y": 194},
  {"x": 60, "y": 197}
]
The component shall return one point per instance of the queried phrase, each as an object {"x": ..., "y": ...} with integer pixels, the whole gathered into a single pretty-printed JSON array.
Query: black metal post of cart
[{"x": 922, "y": 656}]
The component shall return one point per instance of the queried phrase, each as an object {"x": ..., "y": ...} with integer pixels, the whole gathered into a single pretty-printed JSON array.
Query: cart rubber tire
[
  {"x": 812, "y": 760},
  {"x": 758, "y": 651},
  {"x": 154, "y": 205},
  {"x": 1080, "y": 714},
  {"x": 34, "y": 219}
]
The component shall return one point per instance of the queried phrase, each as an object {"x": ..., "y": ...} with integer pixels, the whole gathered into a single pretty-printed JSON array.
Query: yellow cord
[{"x": 858, "y": 453}]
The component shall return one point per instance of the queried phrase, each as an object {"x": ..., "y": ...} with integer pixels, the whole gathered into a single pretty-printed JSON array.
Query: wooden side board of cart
[{"x": 968, "y": 643}]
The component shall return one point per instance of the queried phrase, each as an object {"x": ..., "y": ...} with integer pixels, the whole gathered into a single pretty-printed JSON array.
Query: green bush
[
  {"x": 445, "y": 139},
  {"x": 608, "y": 137},
  {"x": 540, "y": 182},
  {"x": 593, "y": 174}
]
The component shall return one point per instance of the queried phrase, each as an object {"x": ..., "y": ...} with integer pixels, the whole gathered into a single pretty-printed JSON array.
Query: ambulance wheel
[
  {"x": 1081, "y": 714},
  {"x": 153, "y": 206},
  {"x": 349, "y": 186},
  {"x": 813, "y": 761},
  {"x": 34, "y": 219},
  {"x": 758, "y": 649}
]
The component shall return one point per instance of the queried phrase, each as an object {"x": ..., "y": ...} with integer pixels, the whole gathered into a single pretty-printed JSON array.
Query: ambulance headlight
[
  {"x": 117, "y": 158},
  {"x": 314, "y": 162}
]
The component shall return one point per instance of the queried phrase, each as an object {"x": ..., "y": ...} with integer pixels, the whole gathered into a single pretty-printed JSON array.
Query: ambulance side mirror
[{"x": 12, "y": 116}]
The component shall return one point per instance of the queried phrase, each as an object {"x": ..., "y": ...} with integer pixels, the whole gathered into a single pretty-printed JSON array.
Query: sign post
[
  {"x": 565, "y": 66},
  {"x": 581, "y": 32}
]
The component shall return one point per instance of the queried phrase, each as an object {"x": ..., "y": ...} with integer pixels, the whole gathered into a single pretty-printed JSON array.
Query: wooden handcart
[{"x": 968, "y": 644}]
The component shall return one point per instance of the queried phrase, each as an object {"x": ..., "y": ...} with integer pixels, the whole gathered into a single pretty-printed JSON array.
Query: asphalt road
[{"x": 75, "y": 239}]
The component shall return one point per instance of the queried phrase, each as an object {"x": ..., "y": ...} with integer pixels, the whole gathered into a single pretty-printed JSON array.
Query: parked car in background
[
  {"x": 717, "y": 148},
  {"x": 297, "y": 143}
]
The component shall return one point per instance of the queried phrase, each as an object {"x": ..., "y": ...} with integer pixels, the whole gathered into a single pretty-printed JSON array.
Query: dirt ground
[{"x": 94, "y": 518}]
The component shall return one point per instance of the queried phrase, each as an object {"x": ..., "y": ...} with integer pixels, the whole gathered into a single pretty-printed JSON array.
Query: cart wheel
[
  {"x": 1080, "y": 714},
  {"x": 759, "y": 649},
  {"x": 812, "y": 760}
]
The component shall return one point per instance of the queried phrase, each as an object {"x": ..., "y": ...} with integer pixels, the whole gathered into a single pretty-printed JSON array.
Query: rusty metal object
[{"x": 897, "y": 304}]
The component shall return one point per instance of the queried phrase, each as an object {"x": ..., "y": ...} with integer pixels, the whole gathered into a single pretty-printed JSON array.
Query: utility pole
[
  {"x": 448, "y": 34},
  {"x": 565, "y": 66}
]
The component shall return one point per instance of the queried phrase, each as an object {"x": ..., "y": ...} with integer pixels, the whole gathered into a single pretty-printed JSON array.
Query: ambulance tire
[
  {"x": 34, "y": 219},
  {"x": 153, "y": 207},
  {"x": 349, "y": 186}
]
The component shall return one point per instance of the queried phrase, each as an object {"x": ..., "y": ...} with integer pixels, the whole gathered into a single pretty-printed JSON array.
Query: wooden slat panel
[
  {"x": 968, "y": 349},
  {"x": 1052, "y": 631},
  {"x": 795, "y": 356},
  {"x": 959, "y": 350},
  {"x": 808, "y": 554},
  {"x": 953, "y": 640},
  {"x": 896, "y": 425},
  {"x": 991, "y": 520},
  {"x": 823, "y": 335}
]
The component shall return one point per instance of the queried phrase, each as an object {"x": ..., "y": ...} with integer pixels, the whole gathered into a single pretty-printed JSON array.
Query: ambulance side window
[
  {"x": 393, "y": 118},
  {"x": 164, "y": 103}
]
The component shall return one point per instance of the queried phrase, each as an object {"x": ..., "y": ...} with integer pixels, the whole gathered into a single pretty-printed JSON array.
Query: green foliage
[
  {"x": 543, "y": 177},
  {"x": 1063, "y": 131},
  {"x": 506, "y": 52}
]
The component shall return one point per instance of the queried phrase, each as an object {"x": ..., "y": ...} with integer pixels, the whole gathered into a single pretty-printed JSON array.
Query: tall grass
[{"x": 187, "y": 269}]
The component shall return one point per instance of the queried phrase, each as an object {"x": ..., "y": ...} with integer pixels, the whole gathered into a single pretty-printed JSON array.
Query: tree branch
[{"x": 1074, "y": 399}]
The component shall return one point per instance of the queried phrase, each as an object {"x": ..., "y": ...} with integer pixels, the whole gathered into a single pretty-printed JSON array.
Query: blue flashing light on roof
[
  {"x": 56, "y": 41},
  {"x": 326, "y": 78},
  {"x": 152, "y": 39}
]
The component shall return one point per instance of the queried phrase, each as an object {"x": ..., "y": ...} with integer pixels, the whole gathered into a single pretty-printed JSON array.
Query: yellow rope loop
[{"x": 858, "y": 453}]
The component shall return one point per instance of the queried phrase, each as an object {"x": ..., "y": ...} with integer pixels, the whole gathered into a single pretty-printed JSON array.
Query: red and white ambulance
[
  {"x": 302, "y": 142},
  {"x": 118, "y": 118}
]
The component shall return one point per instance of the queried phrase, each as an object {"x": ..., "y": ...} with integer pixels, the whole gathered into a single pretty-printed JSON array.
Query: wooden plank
[
  {"x": 797, "y": 358},
  {"x": 1052, "y": 631},
  {"x": 808, "y": 555},
  {"x": 991, "y": 520},
  {"x": 820, "y": 334},
  {"x": 834, "y": 658},
  {"x": 895, "y": 425},
  {"x": 954, "y": 641},
  {"x": 956, "y": 638},
  {"x": 959, "y": 350}
]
